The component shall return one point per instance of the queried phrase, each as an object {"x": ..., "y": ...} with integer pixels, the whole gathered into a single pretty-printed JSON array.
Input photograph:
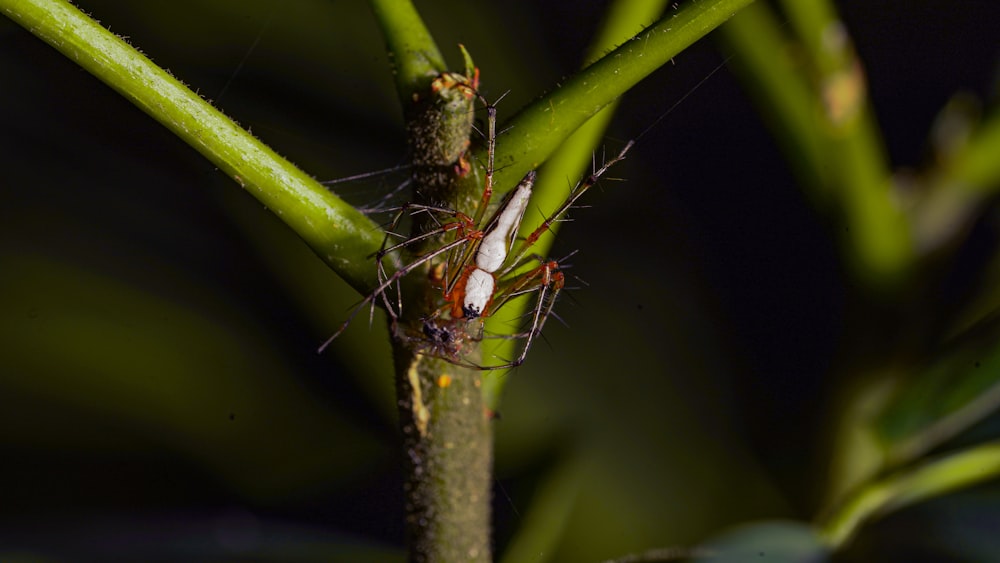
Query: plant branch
[
  {"x": 447, "y": 435},
  {"x": 414, "y": 55},
  {"x": 338, "y": 233},
  {"x": 565, "y": 165},
  {"x": 822, "y": 113},
  {"x": 771, "y": 71},
  {"x": 907, "y": 487},
  {"x": 966, "y": 173},
  {"x": 976, "y": 168},
  {"x": 538, "y": 130}
]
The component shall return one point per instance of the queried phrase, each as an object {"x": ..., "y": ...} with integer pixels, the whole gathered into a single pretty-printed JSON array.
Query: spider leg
[
  {"x": 547, "y": 295},
  {"x": 575, "y": 194},
  {"x": 548, "y": 281},
  {"x": 379, "y": 291},
  {"x": 491, "y": 140},
  {"x": 459, "y": 222}
]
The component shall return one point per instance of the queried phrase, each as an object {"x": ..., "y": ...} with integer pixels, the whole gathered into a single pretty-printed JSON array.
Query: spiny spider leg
[
  {"x": 461, "y": 222},
  {"x": 466, "y": 236},
  {"x": 491, "y": 143},
  {"x": 396, "y": 276},
  {"x": 575, "y": 194},
  {"x": 548, "y": 283},
  {"x": 526, "y": 282},
  {"x": 486, "y": 286},
  {"x": 543, "y": 308}
]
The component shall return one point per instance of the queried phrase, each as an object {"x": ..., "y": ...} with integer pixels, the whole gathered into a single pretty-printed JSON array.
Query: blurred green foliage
[{"x": 735, "y": 357}]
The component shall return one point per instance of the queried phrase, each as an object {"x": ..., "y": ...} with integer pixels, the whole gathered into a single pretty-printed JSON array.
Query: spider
[{"x": 481, "y": 266}]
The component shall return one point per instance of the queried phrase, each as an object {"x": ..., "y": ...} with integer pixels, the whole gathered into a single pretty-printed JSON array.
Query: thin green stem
[
  {"x": 879, "y": 234},
  {"x": 769, "y": 68},
  {"x": 574, "y": 156},
  {"x": 414, "y": 55},
  {"x": 976, "y": 168},
  {"x": 337, "y": 232},
  {"x": 546, "y": 125},
  {"x": 928, "y": 480},
  {"x": 539, "y": 128},
  {"x": 624, "y": 18},
  {"x": 822, "y": 111}
]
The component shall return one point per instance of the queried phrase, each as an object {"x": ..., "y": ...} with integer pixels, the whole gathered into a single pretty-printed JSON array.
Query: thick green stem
[
  {"x": 448, "y": 447},
  {"x": 447, "y": 435}
]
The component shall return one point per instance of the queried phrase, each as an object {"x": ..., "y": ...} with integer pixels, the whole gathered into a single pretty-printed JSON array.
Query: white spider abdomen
[
  {"x": 478, "y": 292},
  {"x": 496, "y": 244}
]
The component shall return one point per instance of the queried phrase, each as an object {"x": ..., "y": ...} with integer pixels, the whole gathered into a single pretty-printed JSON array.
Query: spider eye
[{"x": 437, "y": 334}]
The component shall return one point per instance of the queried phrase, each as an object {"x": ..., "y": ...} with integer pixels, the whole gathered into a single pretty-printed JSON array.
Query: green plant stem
[
  {"x": 824, "y": 120},
  {"x": 564, "y": 166},
  {"x": 446, "y": 430},
  {"x": 879, "y": 232},
  {"x": 907, "y": 487},
  {"x": 448, "y": 458},
  {"x": 958, "y": 186},
  {"x": 976, "y": 168},
  {"x": 539, "y": 128},
  {"x": 415, "y": 58},
  {"x": 573, "y": 117},
  {"x": 770, "y": 70},
  {"x": 574, "y": 155},
  {"x": 338, "y": 233}
]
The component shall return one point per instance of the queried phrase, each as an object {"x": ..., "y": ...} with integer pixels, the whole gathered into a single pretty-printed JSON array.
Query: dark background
[{"x": 159, "y": 387}]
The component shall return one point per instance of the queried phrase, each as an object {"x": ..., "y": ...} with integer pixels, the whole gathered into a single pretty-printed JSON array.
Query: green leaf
[
  {"x": 957, "y": 389},
  {"x": 775, "y": 542},
  {"x": 544, "y": 524},
  {"x": 904, "y": 488}
]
